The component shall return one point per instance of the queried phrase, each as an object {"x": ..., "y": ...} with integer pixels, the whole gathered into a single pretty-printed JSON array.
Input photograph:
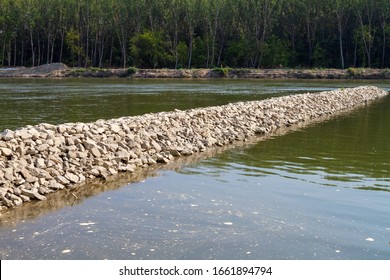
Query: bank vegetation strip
[{"x": 38, "y": 160}]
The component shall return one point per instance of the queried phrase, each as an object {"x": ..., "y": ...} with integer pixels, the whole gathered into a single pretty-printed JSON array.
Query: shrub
[
  {"x": 221, "y": 71},
  {"x": 127, "y": 72},
  {"x": 355, "y": 71},
  {"x": 131, "y": 71}
]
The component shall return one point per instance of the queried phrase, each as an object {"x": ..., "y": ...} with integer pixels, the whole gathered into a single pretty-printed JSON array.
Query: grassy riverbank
[{"x": 62, "y": 71}]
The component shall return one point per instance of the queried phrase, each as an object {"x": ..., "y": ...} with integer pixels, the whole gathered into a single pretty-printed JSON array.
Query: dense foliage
[{"x": 196, "y": 33}]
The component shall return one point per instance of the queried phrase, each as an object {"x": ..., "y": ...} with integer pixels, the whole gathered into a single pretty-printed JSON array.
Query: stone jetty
[{"x": 37, "y": 160}]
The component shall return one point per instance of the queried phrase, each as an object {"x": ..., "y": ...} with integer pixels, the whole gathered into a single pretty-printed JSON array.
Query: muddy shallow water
[{"x": 316, "y": 193}]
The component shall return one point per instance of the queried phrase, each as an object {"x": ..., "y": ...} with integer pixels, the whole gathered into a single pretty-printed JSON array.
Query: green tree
[
  {"x": 181, "y": 57},
  {"x": 312, "y": 12},
  {"x": 341, "y": 9},
  {"x": 212, "y": 32},
  {"x": 384, "y": 18},
  {"x": 72, "y": 39},
  {"x": 276, "y": 53},
  {"x": 289, "y": 26},
  {"x": 365, "y": 11},
  {"x": 150, "y": 50},
  {"x": 121, "y": 18}
]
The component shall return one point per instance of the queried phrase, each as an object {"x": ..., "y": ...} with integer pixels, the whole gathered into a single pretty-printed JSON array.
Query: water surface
[
  {"x": 316, "y": 193},
  {"x": 33, "y": 101}
]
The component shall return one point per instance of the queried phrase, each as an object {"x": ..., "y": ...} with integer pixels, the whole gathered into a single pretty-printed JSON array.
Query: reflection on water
[
  {"x": 33, "y": 101},
  {"x": 350, "y": 151},
  {"x": 308, "y": 194},
  {"x": 77, "y": 194}
]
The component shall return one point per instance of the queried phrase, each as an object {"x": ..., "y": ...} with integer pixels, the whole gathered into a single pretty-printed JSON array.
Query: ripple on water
[{"x": 320, "y": 186}]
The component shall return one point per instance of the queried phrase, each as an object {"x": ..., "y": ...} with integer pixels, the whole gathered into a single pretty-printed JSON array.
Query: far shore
[{"x": 60, "y": 70}]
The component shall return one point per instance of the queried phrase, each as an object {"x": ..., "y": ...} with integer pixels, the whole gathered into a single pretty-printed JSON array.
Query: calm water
[{"x": 316, "y": 193}]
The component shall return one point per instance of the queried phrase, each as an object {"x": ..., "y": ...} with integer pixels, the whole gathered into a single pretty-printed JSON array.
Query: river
[{"x": 320, "y": 192}]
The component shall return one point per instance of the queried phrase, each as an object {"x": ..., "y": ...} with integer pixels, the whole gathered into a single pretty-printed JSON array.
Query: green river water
[{"x": 319, "y": 192}]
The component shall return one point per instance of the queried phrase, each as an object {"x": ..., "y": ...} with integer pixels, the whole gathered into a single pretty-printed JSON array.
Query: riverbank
[
  {"x": 38, "y": 160},
  {"x": 60, "y": 70}
]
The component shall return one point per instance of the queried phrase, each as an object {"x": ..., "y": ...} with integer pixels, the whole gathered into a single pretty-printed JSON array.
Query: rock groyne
[{"x": 38, "y": 160}]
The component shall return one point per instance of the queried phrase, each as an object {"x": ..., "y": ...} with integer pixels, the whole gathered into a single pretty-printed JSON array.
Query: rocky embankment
[
  {"x": 38, "y": 160},
  {"x": 60, "y": 70},
  {"x": 350, "y": 73}
]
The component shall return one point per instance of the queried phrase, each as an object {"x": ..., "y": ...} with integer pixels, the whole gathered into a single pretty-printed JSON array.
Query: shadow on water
[
  {"x": 77, "y": 194},
  {"x": 350, "y": 150}
]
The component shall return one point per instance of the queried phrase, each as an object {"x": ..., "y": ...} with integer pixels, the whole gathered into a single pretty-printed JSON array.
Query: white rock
[
  {"x": 6, "y": 152},
  {"x": 7, "y": 135},
  {"x": 62, "y": 180},
  {"x": 115, "y": 128},
  {"x": 73, "y": 178},
  {"x": 23, "y": 134},
  {"x": 95, "y": 152},
  {"x": 32, "y": 194}
]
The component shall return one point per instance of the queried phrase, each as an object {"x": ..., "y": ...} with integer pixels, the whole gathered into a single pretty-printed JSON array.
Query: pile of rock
[
  {"x": 37, "y": 160},
  {"x": 45, "y": 70}
]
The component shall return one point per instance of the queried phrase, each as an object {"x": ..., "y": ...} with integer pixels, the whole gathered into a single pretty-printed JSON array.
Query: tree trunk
[
  {"x": 52, "y": 52},
  {"x": 2, "y": 56},
  {"x": 111, "y": 52},
  {"x": 94, "y": 55},
  {"x": 383, "y": 43},
  {"x": 15, "y": 52},
  {"x": 208, "y": 51},
  {"x": 101, "y": 50},
  {"x": 32, "y": 48},
  {"x": 341, "y": 44},
  {"x": 122, "y": 42},
  {"x": 191, "y": 33},
  {"x": 220, "y": 52},
  {"x": 62, "y": 45},
  {"x": 39, "y": 52},
  {"x": 124, "y": 57},
  {"x": 175, "y": 43},
  {"x": 48, "y": 50},
  {"x": 9, "y": 53},
  {"x": 366, "y": 43},
  {"x": 310, "y": 43},
  {"x": 79, "y": 48},
  {"x": 22, "y": 55},
  {"x": 214, "y": 38},
  {"x": 87, "y": 49},
  {"x": 101, "y": 54},
  {"x": 213, "y": 49}
]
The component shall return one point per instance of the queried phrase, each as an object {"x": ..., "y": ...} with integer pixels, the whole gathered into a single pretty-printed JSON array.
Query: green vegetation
[
  {"x": 196, "y": 33},
  {"x": 355, "y": 71},
  {"x": 221, "y": 71},
  {"x": 131, "y": 71},
  {"x": 89, "y": 72},
  {"x": 128, "y": 72}
]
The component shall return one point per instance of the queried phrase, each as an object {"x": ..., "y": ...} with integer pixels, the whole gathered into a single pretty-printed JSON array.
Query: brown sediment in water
[{"x": 37, "y": 161}]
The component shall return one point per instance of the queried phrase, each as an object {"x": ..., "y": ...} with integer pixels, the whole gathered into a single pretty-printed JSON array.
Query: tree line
[{"x": 196, "y": 33}]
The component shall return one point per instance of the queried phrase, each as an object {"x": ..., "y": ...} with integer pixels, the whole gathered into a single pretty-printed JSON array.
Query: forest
[{"x": 196, "y": 33}]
